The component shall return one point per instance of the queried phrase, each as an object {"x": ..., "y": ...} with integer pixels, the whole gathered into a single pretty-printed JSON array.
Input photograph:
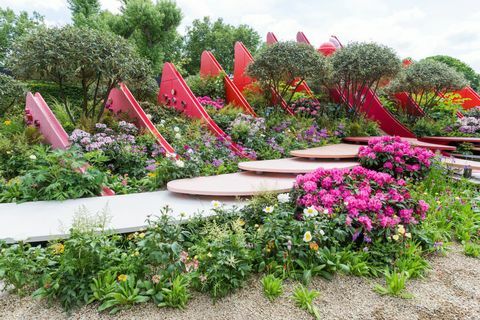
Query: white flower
[
  {"x": 176, "y": 129},
  {"x": 325, "y": 211},
  {"x": 307, "y": 237},
  {"x": 268, "y": 209},
  {"x": 310, "y": 211},
  {"x": 283, "y": 198},
  {"x": 171, "y": 155},
  {"x": 180, "y": 163},
  {"x": 216, "y": 204},
  {"x": 33, "y": 157},
  {"x": 149, "y": 116},
  {"x": 178, "y": 136},
  {"x": 346, "y": 203},
  {"x": 162, "y": 122},
  {"x": 321, "y": 232}
]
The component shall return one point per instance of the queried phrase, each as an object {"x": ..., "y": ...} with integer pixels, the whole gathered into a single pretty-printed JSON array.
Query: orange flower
[{"x": 313, "y": 246}]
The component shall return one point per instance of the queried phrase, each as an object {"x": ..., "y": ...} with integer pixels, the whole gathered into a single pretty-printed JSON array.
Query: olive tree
[
  {"x": 462, "y": 67},
  {"x": 284, "y": 66},
  {"x": 359, "y": 67},
  {"x": 11, "y": 91},
  {"x": 426, "y": 80},
  {"x": 93, "y": 60}
]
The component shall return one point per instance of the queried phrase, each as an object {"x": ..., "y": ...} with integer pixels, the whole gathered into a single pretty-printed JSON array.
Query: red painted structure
[
  {"x": 174, "y": 92},
  {"x": 472, "y": 97},
  {"x": 303, "y": 87},
  {"x": 242, "y": 58},
  {"x": 209, "y": 66},
  {"x": 372, "y": 106},
  {"x": 408, "y": 104},
  {"x": 123, "y": 100},
  {"x": 38, "y": 112}
]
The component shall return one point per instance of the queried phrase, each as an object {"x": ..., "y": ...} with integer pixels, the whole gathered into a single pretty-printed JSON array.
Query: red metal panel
[
  {"x": 123, "y": 100},
  {"x": 302, "y": 38},
  {"x": 474, "y": 97},
  {"x": 408, "y": 105},
  {"x": 209, "y": 66},
  {"x": 37, "y": 111},
  {"x": 241, "y": 61},
  {"x": 271, "y": 38},
  {"x": 174, "y": 92}
]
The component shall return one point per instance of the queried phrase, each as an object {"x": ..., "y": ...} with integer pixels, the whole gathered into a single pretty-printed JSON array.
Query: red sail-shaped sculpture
[
  {"x": 472, "y": 97},
  {"x": 303, "y": 87},
  {"x": 372, "y": 107},
  {"x": 408, "y": 104},
  {"x": 123, "y": 100},
  {"x": 38, "y": 112},
  {"x": 174, "y": 92},
  {"x": 241, "y": 80},
  {"x": 209, "y": 66}
]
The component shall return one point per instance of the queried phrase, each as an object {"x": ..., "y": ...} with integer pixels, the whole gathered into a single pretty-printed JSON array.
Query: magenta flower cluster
[
  {"x": 368, "y": 202},
  {"x": 306, "y": 106},
  {"x": 395, "y": 156},
  {"x": 209, "y": 102}
]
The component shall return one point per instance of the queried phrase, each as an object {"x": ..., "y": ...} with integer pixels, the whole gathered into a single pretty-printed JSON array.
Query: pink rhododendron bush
[
  {"x": 395, "y": 156},
  {"x": 367, "y": 203}
]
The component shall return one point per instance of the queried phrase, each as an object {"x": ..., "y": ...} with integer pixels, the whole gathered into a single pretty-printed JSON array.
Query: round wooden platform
[
  {"x": 233, "y": 184},
  {"x": 333, "y": 151},
  {"x": 461, "y": 163},
  {"x": 414, "y": 142},
  {"x": 294, "y": 165},
  {"x": 451, "y": 140}
]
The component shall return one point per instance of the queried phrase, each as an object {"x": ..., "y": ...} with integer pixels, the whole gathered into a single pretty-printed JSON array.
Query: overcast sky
[{"x": 413, "y": 28}]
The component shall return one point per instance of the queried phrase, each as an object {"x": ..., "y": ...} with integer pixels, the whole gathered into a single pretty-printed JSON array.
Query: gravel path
[{"x": 450, "y": 291}]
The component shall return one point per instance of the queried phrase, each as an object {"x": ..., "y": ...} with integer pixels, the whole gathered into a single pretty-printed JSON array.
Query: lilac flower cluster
[
  {"x": 468, "y": 125},
  {"x": 248, "y": 124},
  {"x": 313, "y": 134}
]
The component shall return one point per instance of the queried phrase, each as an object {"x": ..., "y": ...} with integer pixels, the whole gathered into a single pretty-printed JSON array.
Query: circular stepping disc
[
  {"x": 460, "y": 163},
  {"x": 333, "y": 151},
  {"x": 294, "y": 165},
  {"x": 233, "y": 184},
  {"x": 448, "y": 140},
  {"x": 414, "y": 142}
]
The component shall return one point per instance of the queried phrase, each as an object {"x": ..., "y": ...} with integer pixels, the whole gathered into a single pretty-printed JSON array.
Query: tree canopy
[
  {"x": 426, "y": 80},
  {"x": 84, "y": 11},
  {"x": 361, "y": 66},
  {"x": 93, "y": 60},
  {"x": 13, "y": 26},
  {"x": 219, "y": 38},
  {"x": 462, "y": 67},
  {"x": 283, "y": 66}
]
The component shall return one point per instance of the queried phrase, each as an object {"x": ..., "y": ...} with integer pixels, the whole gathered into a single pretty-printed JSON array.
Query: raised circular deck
[
  {"x": 460, "y": 163},
  {"x": 294, "y": 165},
  {"x": 414, "y": 142},
  {"x": 333, "y": 151},
  {"x": 451, "y": 140},
  {"x": 233, "y": 184}
]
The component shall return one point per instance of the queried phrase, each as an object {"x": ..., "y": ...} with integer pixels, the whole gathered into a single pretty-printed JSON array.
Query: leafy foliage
[
  {"x": 462, "y": 67},
  {"x": 11, "y": 91},
  {"x": 272, "y": 287}
]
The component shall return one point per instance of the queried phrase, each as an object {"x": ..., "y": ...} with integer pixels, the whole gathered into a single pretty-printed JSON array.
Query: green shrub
[
  {"x": 11, "y": 92},
  {"x": 272, "y": 287},
  {"x": 208, "y": 86}
]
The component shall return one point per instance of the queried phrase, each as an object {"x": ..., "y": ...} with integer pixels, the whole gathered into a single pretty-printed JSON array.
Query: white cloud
[{"x": 413, "y": 28}]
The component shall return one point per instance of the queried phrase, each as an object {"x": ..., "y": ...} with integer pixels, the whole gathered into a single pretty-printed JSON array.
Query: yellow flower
[
  {"x": 122, "y": 278},
  {"x": 136, "y": 253},
  {"x": 307, "y": 237},
  {"x": 401, "y": 229},
  {"x": 141, "y": 235},
  {"x": 7, "y": 122},
  {"x": 408, "y": 235},
  {"x": 216, "y": 204},
  {"x": 241, "y": 222},
  {"x": 151, "y": 174},
  {"x": 58, "y": 248},
  {"x": 395, "y": 237}
]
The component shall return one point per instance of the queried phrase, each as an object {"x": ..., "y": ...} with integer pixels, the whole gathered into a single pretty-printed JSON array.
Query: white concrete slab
[
  {"x": 233, "y": 184},
  {"x": 332, "y": 151},
  {"x": 294, "y": 165},
  {"x": 44, "y": 220},
  {"x": 460, "y": 163}
]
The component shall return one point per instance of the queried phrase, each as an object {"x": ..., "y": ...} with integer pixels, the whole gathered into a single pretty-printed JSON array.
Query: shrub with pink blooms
[
  {"x": 369, "y": 204},
  {"x": 395, "y": 156}
]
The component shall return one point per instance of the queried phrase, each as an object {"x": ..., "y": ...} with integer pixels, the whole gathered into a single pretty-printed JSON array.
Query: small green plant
[
  {"x": 303, "y": 298},
  {"x": 102, "y": 286},
  {"x": 126, "y": 294},
  {"x": 395, "y": 284},
  {"x": 471, "y": 249},
  {"x": 272, "y": 287},
  {"x": 177, "y": 296}
]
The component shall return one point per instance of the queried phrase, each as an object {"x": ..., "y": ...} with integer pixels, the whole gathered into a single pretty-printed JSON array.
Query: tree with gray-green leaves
[
  {"x": 426, "y": 81},
  {"x": 219, "y": 38},
  {"x": 462, "y": 67},
  {"x": 93, "y": 60},
  {"x": 11, "y": 91},
  {"x": 13, "y": 26},
  {"x": 359, "y": 67},
  {"x": 284, "y": 66},
  {"x": 152, "y": 27}
]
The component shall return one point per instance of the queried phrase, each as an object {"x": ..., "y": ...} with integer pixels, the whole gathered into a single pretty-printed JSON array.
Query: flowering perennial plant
[
  {"x": 395, "y": 156},
  {"x": 209, "y": 102},
  {"x": 369, "y": 204},
  {"x": 306, "y": 106}
]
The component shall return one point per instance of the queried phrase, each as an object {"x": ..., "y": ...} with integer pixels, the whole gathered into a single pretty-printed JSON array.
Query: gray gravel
[{"x": 450, "y": 291}]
